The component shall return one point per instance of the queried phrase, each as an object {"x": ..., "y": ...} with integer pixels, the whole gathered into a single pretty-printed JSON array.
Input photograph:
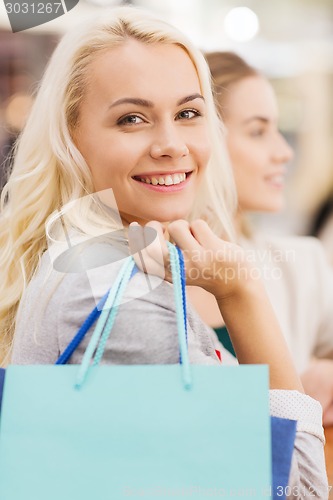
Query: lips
[
  {"x": 164, "y": 182},
  {"x": 276, "y": 180},
  {"x": 163, "y": 179}
]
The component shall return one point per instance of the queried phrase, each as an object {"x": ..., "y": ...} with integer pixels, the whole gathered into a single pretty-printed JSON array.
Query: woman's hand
[
  {"x": 216, "y": 265},
  {"x": 221, "y": 268}
]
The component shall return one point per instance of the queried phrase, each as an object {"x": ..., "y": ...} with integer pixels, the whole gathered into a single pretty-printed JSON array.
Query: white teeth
[
  {"x": 168, "y": 180},
  {"x": 277, "y": 179}
]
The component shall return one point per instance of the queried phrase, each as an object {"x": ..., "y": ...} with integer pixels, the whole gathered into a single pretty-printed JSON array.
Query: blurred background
[{"x": 291, "y": 41}]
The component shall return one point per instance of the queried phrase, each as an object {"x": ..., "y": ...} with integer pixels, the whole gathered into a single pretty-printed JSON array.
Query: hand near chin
[{"x": 214, "y": 264}]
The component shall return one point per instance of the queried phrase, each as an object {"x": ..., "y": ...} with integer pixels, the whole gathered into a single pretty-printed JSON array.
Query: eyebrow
[
  {"x": 256, "y": 118},
  {"x": 189, "y": 98},
  {"x": 149, "y": 104}
]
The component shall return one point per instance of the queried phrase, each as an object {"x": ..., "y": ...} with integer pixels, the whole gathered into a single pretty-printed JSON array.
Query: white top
[{"x": 299, "y": 282}]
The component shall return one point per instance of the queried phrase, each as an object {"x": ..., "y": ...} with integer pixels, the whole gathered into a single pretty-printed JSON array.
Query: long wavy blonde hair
[{"x": 49, "y": 170}]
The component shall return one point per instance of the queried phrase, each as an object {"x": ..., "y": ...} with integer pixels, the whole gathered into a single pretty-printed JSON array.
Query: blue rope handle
[
  {"x": 183, "y": 285},
  {"x": 178, "y": 279},
  {"x": 112, "y": 300},
  {"x": 90, "y": 320},
  {"x": 113, "y": 313}
]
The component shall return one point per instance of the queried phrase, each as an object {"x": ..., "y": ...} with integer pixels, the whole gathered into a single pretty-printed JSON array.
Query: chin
[
  {"x": 170, "y": 215},
  {"x": 269, "y": 209},
  {"x": 170, "y": 218},
  {"x": 274, "y": 207},
  {"x": 163, "y": 218},
  {"x": 269, "y": 206}
]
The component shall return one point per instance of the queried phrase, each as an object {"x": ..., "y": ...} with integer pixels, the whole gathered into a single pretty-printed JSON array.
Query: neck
[
  {"x": 238, "y": 222},
  {"x": 238, "y": 225},
  {"x": 242, "y": 225}
]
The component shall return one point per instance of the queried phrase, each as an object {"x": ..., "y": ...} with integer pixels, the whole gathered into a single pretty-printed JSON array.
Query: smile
[
  {"x": 163, "y": 180},
  {"x": 164, "y": 183},
  {"x": 276, "y": 180}
]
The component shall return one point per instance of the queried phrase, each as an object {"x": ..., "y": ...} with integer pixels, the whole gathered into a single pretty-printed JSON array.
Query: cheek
[
  {"x": 245, "y": 168},
  {"x": 202, "y": 149},
  {"x": 247, "y": 158},
  {"x": 243, "y": 182},
  {"x": 114, "y": 157},
  {"x": 205, "y": 156},
  {"x": 239, "y": 152}
]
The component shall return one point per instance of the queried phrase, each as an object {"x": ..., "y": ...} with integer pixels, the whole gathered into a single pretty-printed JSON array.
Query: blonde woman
[
  {"x": 297, "y": 277},
  {"x": 126, "y": 104}
]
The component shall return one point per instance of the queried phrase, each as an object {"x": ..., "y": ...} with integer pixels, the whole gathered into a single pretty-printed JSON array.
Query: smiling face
[
  {"x": 258, "y": 152},
  {"x": 142, "y": 130}
]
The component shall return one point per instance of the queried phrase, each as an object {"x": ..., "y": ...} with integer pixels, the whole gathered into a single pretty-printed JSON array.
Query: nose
[
  {"x": 283, "y": 153},
  {"x": 168, "y": 142}
]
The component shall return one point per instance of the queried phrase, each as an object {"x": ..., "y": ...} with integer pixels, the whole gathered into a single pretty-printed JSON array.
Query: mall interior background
[{"x": 291, "y": 41}]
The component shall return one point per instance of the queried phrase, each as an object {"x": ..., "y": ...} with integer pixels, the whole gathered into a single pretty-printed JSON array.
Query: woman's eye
[
  {"x": 257, "y": 133},
  {"x": 188, "y": 114},
  {"x": 130, "y": 120}
]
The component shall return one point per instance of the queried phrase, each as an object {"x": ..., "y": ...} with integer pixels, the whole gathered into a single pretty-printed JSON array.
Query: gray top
[{"x": 55, "y": 304}]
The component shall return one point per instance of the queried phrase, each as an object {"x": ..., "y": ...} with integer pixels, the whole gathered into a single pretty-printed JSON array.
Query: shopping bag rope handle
[
  {"x": 107, "y": 317},
  {"x": 95, "y": 313},
  {"x": 178, "y": 279},
  {"x": 89, "y": 321},
  {"x": 76, "y": 341},
  {"x": 112, "y": 303}
]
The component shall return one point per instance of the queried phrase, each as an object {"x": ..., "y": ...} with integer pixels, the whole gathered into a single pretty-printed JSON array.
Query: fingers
[
  {"x": 158, "y": 246},
  {"x": 196, "y": 240},
  {"x": 135, "y": 238},
  {"x": 180, "y": 232},
  {"x": 203, "y": 234},
  {"x": 193, "y": 252},
  {"x": 148, "y": 247},
  {"x": 156, "y": 251},
  {"x": 194, "y": 236}
]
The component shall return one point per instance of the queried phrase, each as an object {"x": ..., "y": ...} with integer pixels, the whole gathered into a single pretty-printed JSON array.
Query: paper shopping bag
[
  {"x": 283, "y": 434},
  {"x": 134, "y": 432}
]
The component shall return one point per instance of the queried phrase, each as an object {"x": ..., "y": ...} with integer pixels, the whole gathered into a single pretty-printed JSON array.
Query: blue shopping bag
[
  {"x": 283, "y": 433},
  {"x": 134, "y": 429},
  {"x": 113, "y": 432}
]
